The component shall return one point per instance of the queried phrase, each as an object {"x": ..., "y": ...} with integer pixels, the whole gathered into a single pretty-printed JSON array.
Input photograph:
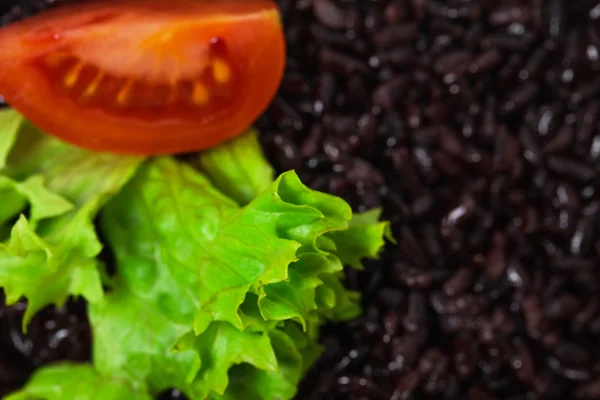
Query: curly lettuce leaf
[
  {"x": 294, "y": 353},
  {"x": 223, "y": 278},
  {"x": 142, "y": 343},
  {"x": 183, "y": 253},
  {"x": 222, "y": 346},
  {"x": 47, "y": 273},
  {"x": 364, "y": 238},
  {"x": 76, "y": 382},
  {"x": 213, "y": 250},
  {"x": 188, "y": 256},
  {"x": 16, "y": 196},
  {"x": 133, "y": 339},
  {"x": 54, "y": 191},
  {"x": 238, "y": 168}
]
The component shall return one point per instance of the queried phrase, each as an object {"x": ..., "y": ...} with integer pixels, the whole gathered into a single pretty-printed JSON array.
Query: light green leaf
[
  {"x": 347, "y": 303},
  {"x": 220, "y": 347},
  {"x": 195, "y": 259},
  {"x": 238, "y": 167},
  {"x": 53, "y": 253},
  {"x": 133, "y": 340},
  {"x": 211, "y": 249},
  {"x": 79, "y": 175},
  {"x": 298, "y": 297},
  {"x": 364, "y": 238},
  {"x": 44, "y": 203},
  {"x": 45, "y": 273},
  {"x": 75, "y": 382},
  {"x": 10, "y": 122},
  {"x": 142, "y": 343},
  {"x": 221, "y": 297},
  {"x": 249, "y": 383}
]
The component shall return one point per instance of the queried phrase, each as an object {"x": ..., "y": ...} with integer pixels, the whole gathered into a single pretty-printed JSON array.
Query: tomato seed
[
  {"x": 124, "y": 95},
  {"x": 92, "y": 88},
  {"x": 71, "y": 78},
  {"x": 200, "y": 95},
  {"x": 221, "y": 71}
]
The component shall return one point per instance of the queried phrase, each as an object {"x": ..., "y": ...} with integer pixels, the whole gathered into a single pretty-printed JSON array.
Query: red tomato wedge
[{"x": 144, "y": 76}]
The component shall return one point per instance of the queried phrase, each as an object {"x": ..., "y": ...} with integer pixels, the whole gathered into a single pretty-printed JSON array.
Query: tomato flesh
[{"x": 144, "y": 77}]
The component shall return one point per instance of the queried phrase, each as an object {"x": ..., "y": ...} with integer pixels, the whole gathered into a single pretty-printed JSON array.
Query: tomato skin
[{"x": 165, "y": 76}]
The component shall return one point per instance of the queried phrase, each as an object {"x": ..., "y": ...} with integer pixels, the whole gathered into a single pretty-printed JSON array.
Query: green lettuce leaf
[
  {"x": 16, "y": 196},
  {"x": 238, "y": 168},
  {"x": 54, "y": 191},
  {"x": 75, "y": 382},
  {"x": 142, "y": 343},
  {"x": 208, "y": 243},
  {"x": 242, "y": 277},
  {"x": 295, "y": 353},
  {"x": 133, "y": 339},
  {"x": 10, "y": 122},
  {"x": 364, "y": 238},
  {"x": 223, "y": 278}
]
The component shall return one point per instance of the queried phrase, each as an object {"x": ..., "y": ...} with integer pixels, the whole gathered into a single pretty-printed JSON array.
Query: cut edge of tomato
[{"x": 200, "y": 135}]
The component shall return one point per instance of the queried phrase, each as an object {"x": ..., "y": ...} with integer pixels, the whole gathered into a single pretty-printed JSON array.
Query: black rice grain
[{"x": 54, "y": 334}]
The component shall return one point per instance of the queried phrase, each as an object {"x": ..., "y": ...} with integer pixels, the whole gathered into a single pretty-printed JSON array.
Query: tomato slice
[{"x": 144, "y": 76}]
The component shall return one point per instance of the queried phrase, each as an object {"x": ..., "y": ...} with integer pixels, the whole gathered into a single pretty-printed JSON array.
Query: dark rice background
[{"x": 474, "y": 124}]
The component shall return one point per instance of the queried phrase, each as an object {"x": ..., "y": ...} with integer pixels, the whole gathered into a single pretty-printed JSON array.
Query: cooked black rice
[{"x": 474, "y": 124}]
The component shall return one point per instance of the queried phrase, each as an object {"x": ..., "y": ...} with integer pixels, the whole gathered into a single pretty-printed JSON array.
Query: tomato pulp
[{"x": 144, "y": 76}]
